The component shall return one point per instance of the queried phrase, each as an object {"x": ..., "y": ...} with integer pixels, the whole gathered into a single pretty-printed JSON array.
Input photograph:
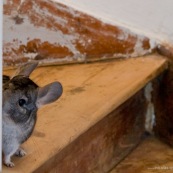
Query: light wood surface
[
  {"x": 151, "y": 156},
  {"x": 91, "y": 91}
]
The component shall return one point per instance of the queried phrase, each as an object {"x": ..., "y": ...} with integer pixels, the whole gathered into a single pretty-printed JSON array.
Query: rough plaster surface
[{"x": 150, "y": 17}]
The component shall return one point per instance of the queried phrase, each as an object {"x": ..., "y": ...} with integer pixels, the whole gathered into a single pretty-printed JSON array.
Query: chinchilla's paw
[
  {"x": 9, "y": 164},
  {"x": 20, "y": 152}
]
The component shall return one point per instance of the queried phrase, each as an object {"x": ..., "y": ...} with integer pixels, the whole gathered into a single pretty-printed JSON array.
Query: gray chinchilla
[{"x": 21, "y": 100}]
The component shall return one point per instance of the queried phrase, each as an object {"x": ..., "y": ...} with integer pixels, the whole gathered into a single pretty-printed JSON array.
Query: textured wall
[
  {"x": 150, "y": 17},
  {"x": 51, "y": 32}
]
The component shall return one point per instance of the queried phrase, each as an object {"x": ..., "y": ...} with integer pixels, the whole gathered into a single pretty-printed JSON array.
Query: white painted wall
[{"x": 153, "y": 18}]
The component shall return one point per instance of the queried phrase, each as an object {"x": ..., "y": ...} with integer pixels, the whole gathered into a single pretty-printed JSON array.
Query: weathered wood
[
  {"x": 53, "y": 32},
  {"x": 106, "y": 143},
  {"x": 91, "y": 92},
  {"x": 163, "y": 101},
  {"x": 151, "y": 156}
]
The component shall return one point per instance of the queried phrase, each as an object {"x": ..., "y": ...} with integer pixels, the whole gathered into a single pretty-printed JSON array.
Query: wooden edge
[
  {"x": 105, "y": 144},
  {"x": 162, "y": 65}
]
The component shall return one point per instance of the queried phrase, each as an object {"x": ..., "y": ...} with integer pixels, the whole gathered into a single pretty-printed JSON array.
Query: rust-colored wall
[
  {"x": 105, "y": 144},
  {"x": 51, "y": 32}
]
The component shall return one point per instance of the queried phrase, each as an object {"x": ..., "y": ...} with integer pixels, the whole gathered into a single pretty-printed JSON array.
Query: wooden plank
[
  {"x": 151, "y": 156},
  {"x": 106, "y": 143},
  {"x": 164, "y": 105},
  {"x": 91, "y": 91},
  {"x": 64, "y": 35}
]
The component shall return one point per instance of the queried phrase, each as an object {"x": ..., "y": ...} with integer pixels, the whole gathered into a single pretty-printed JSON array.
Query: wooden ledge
[{"x": 91, "y": 91}]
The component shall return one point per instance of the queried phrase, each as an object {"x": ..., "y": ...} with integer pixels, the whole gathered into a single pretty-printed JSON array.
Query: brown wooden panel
[
  {"x": 166, "y": 50},
  {"x": 91, "y": 92},
  {"x": 105, "y": 144},
  {"x": 163, "y": 100}
]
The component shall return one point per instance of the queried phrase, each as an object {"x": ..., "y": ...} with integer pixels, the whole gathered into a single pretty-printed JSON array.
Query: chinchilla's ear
[
  {"x": 26, "y": 69},
  {"x": 49, "y": 93}
]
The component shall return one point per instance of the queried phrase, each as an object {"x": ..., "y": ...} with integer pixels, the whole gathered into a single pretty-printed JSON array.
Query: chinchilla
[{"x": 21, "y": 99}]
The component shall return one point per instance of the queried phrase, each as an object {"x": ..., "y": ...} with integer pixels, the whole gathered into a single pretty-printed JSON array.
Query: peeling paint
[
  {"x": 139, "y": 49},
  {"x": 33, "y": 32},
  {"x": 57, "y": 33},
  {"x": 150, "y": 114},
  {"x": 151, "y": 18}
]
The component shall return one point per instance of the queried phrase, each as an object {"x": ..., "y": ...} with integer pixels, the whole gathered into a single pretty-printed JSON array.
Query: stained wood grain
[
  {"x": 164, "y": 105},
  {"x": 105, "y": 144},
  {"x": 91, "y": 92},
  {"x": 151, "y": 156}
]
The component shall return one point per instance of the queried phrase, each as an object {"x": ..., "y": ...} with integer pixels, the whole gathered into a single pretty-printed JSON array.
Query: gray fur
[{"x": 21, "y": 99}]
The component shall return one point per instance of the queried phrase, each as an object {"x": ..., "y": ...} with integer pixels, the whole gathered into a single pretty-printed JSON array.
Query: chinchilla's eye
[{"x": 22, "y": 102}]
